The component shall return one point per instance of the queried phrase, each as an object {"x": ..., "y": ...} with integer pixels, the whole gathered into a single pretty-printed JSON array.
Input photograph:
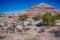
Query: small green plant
[{"x": 36, "y": 18}]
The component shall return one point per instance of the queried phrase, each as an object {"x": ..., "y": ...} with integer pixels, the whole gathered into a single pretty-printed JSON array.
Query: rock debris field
[{"x": 31, "y": 32}]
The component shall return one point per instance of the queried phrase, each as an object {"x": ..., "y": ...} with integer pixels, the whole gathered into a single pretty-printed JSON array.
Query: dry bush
[
  {"x": 26, "y": 29},
  {"x": 41, "y": 30}
]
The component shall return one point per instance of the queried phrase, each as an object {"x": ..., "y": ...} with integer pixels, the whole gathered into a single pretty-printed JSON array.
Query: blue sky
[{"x": 16, "y": 6}]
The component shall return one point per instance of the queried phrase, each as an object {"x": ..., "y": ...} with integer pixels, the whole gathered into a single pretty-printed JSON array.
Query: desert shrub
[
  {"x": 23, "y": 18},
  {"x": 55, "y": 32},
  {"x": 9, "y": 28},
  {"x": 10, "y": 17},
  {"x": 36, "y": 18},
  {"x": 35, "y": 28},
  {"x": 49, "y": 19},
  {"x": 0, "y": 25},
  {"x": 47, "y": 28},
  {"x": 41, "y": 30},
  {"x": 51, "y": 31},
  {"x": 18, "y": 30},
  {"x": 2, "y": 37},
  {"x": 27, "y": 29},
  {"x": 2, "y": 28}
]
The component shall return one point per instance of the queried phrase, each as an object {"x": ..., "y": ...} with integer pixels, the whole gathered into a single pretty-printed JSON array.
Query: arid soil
[
  {"x": 31, "y": 32},
  {"x": 29, "y": 35}
]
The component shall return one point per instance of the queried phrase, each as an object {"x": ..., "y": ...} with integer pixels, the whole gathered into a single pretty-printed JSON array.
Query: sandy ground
[{"x": 30, "y": 35}]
